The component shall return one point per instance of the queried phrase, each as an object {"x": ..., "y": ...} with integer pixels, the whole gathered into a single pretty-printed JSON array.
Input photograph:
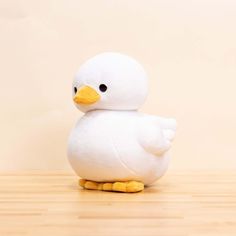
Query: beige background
[{"x": 187, "y": 47}]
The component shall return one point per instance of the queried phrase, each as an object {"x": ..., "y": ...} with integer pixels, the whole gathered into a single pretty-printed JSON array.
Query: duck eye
[
  {"x": 75, "y": 90},
  {"x": 103, "y": 88}
]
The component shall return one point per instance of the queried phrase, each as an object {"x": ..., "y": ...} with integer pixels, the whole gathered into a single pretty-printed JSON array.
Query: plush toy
[{"x": 113, "y": 147}]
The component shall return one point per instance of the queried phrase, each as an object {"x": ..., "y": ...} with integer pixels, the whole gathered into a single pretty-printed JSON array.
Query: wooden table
[{"x": 181, "y": 203}]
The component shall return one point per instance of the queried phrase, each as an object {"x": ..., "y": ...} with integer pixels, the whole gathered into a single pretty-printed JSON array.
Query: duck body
[{"x": 109, "y": 146}]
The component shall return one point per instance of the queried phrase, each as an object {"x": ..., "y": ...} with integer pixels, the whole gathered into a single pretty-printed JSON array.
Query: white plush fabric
[
  {"x": 125, "y": 79},
  {"x": 112, "y": 141}
]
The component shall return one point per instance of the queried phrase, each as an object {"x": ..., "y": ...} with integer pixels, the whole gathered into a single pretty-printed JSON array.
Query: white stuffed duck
[{"x": 113, "y": 147}]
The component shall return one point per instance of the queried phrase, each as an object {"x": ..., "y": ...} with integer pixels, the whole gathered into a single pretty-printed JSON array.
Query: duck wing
[{"x": 156, "y": 133}]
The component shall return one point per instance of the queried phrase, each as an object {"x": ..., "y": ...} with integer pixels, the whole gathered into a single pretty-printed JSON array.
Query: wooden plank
[{"x": 182, "y": 203}]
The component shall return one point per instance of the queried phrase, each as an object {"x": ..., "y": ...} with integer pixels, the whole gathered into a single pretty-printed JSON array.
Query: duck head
[{"x": 110, "y": 81}]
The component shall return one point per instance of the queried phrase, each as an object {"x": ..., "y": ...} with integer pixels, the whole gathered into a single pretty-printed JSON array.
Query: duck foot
[{"x": 124, "y": 187}]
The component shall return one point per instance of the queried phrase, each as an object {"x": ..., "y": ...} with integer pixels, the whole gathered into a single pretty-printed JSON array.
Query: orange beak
[{"x": 86, "y": 96}]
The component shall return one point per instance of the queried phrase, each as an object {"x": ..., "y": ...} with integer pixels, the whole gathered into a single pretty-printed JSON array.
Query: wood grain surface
[{"x": 181, "y": 203}]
